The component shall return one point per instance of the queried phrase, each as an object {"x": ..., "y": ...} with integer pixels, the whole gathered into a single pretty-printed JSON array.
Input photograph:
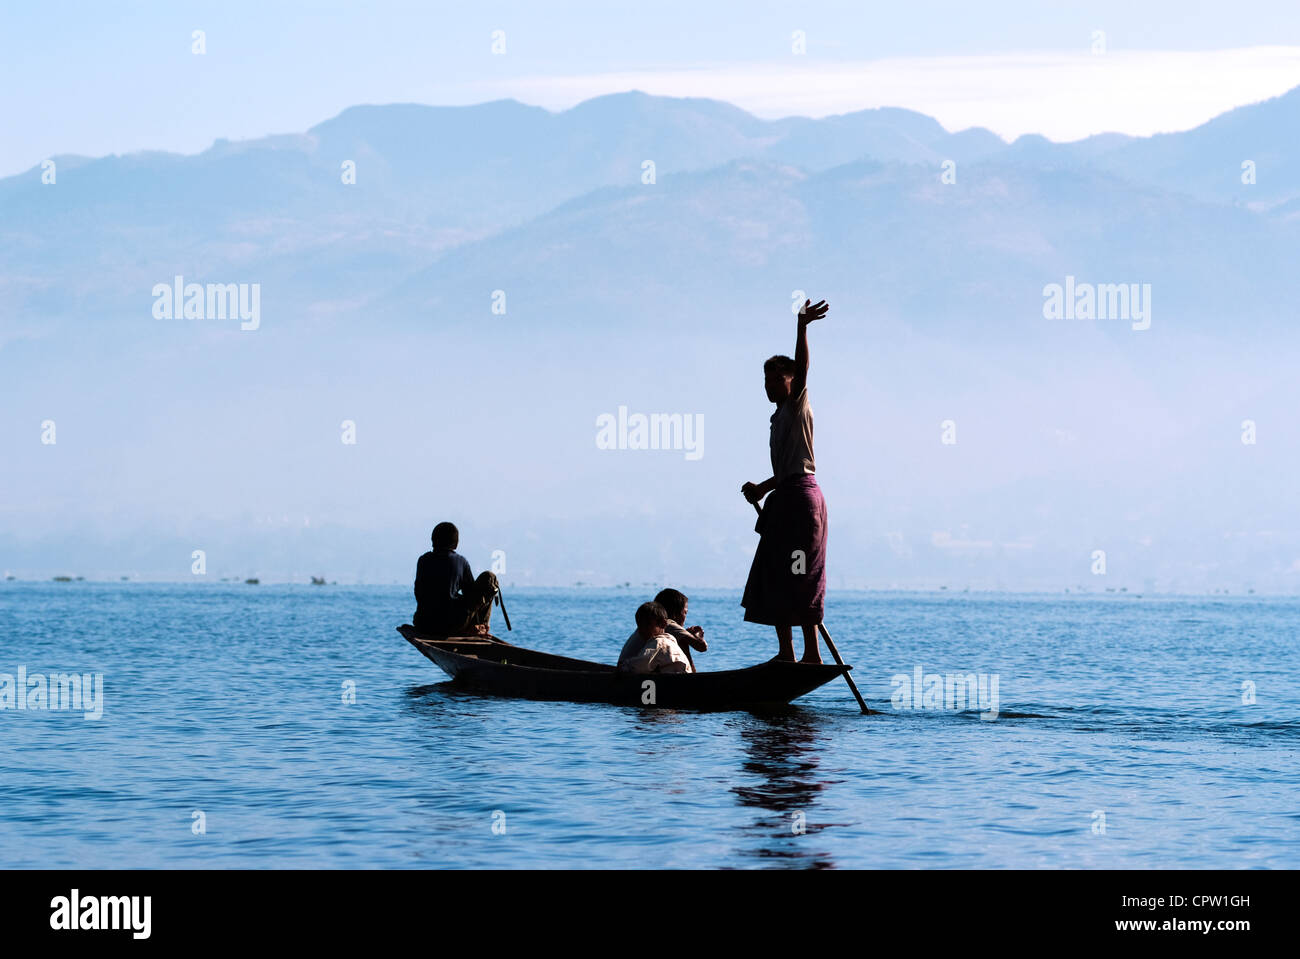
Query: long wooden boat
[{"x": 494, "y": 666}]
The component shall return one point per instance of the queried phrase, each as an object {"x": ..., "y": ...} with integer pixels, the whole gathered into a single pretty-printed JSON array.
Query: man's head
[
  {"x": 651, "y": 618},
  {"x": 778, "y": 377},
  {"x": 674, "y": 603},
  {"x": 446, "y": 536}
]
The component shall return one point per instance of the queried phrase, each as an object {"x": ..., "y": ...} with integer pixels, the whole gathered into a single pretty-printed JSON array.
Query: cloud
[{"x": 1063, "y": 96}]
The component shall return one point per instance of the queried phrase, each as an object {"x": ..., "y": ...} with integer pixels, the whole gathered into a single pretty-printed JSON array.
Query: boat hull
[{"x": 493, "y": 666}]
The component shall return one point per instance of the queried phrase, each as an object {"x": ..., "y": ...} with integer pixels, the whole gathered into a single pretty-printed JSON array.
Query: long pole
[
  {"x": 835, "y": 653},
  {"x": 839, "y": 662},
  {"x": 501, "y": 601}
]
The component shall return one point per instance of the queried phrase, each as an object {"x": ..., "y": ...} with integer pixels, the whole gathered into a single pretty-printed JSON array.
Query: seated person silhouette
[{"x": 449, "y": 600}]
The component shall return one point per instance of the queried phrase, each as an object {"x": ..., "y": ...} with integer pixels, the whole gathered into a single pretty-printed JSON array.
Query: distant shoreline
[{"x": 635, "y": 588}]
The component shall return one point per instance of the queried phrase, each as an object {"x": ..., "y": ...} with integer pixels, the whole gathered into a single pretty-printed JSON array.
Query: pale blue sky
[{"x": 97, "y": 78}]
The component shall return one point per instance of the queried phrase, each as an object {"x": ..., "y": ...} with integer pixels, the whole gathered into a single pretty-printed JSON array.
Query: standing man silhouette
[{"x": 787, "y": 580}]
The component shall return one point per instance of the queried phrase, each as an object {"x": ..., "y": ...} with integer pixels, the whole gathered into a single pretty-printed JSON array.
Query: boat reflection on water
[
  {"x": 782, "y": 748},
  {"x": 770, "y": 760}
]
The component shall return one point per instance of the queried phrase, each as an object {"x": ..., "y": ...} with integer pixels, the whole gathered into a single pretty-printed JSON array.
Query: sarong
[{"x": 787, "y": 581}]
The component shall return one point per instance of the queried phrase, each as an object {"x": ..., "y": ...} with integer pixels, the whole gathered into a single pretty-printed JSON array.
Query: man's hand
[
  {"x": 751, "y": 492},
  {"x": 811, "y": 312},
  {"x": 698, "y": 633}
]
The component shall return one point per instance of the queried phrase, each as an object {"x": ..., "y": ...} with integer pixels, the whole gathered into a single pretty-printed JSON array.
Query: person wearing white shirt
[{"x": 651, "y": 649}]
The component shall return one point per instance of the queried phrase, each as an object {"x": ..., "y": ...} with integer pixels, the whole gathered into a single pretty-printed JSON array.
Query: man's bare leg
[
  {"x": 786, "y": 641},
  {"x": 478, "y": 601},
  {"x": 811, "y": 654}
]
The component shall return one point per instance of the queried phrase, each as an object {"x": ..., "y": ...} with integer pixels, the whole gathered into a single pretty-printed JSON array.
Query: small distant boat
[{"x": 494, "y": 666}]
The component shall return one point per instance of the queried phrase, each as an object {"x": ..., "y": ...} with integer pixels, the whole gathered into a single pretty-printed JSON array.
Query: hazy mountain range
[{"x": 376, "y": 307}]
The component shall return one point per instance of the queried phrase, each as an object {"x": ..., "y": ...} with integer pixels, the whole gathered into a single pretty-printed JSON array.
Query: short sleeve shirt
[{"x": 792, "y": 438}]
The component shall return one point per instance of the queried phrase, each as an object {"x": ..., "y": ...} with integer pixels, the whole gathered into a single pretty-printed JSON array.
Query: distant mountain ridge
[
  {"x": 593, "y": 142},
  {"x": 499, "y": 276},
  {"x": 430, "y": 180}
]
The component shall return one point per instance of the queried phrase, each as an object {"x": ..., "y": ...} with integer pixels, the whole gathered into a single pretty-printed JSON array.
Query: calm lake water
[{"x": 229, "y": 701}]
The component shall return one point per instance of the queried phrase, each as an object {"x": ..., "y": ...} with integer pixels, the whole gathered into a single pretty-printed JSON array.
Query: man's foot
[
  {"x": 480, "y": 629},
  {"x": 812, "y": 659}
]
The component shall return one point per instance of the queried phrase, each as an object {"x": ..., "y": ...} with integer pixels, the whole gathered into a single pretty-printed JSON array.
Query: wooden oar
[
  {"x": 839, "y": 662},
  {"x": 835, "y": 653},
  {"x": 501, "y": 601}
]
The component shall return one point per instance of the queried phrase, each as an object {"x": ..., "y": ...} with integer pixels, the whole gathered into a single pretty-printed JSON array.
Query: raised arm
[{"x": 808, "y": 313}]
